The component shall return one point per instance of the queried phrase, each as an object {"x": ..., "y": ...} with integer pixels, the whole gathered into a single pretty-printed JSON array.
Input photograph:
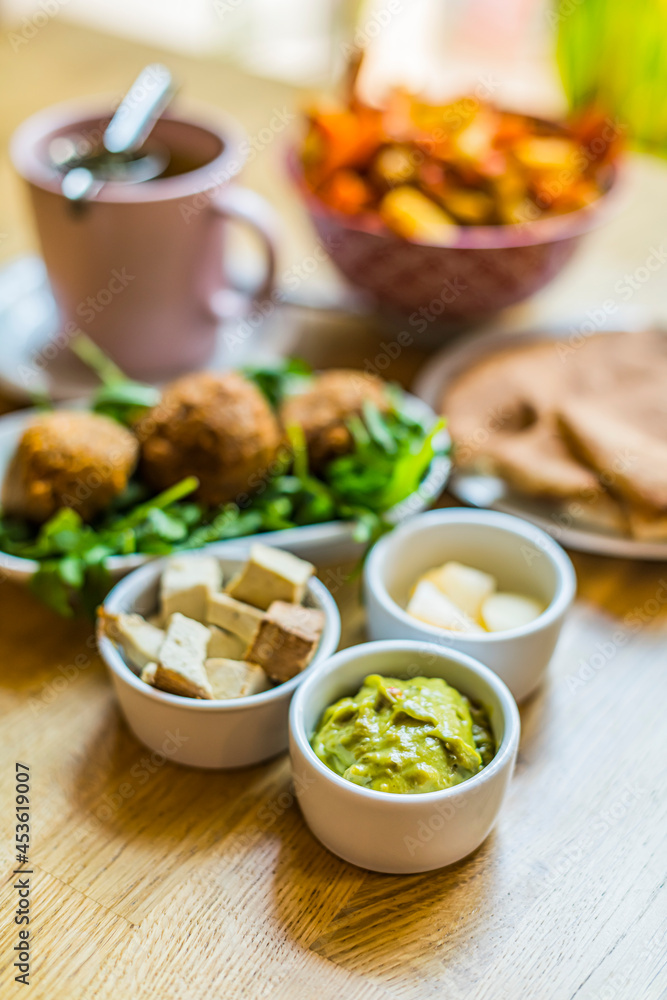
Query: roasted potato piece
[{"x": 412, "y": 215}]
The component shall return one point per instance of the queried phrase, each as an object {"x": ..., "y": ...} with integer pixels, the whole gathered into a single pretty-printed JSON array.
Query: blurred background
[{"x": 257, "y": 58}]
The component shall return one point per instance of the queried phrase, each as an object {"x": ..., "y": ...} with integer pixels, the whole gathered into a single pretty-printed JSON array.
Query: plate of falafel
[{"x": 318, "y": 463}]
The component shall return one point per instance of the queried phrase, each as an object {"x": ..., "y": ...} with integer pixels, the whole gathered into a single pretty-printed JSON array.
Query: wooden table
[{"x": 155, "y": 881}]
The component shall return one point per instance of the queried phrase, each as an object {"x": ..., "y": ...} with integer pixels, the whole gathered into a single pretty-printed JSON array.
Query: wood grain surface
[{"x": 157, "y": 881}]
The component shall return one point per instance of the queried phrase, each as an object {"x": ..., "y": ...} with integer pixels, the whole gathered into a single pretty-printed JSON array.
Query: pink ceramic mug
[{"x": 139, "y": 267}]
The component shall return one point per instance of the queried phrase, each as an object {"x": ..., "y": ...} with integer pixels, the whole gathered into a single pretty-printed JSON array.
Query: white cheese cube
[
  {"x": 224, "y": 645},
  {"x": 139, "y": 640},
  {"x": 468, "y": 588},
  {"x": 256, "y": 681},
  {"x": 235, "y": 678},
  {"x": 431, "y": 606},
  {"x": 505, "y": 611},
  {"x": 181, "y": 666},
  {"x": 233, "y": 616},
  {"x": 149, "y": 673},
  {"x": 270, "y": 575},
  {"x": 186, "y": 583}
]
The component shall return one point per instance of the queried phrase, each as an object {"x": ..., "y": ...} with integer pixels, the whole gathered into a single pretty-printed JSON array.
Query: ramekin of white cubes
[
  {"x": 484, "y": 583},
  {"x": 205, "y": 651}
]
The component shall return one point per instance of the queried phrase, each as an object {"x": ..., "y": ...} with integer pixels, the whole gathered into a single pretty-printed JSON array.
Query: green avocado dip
[{"x": 418, "y": 735}]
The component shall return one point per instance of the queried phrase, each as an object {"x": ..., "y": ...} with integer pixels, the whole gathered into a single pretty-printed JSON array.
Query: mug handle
[{"x": 240, "y": 204}]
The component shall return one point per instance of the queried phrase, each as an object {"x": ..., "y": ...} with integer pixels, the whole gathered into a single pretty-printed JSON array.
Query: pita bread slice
[
  {"x": 537, "y": 462},
  {"x": 630, "y": 460}
]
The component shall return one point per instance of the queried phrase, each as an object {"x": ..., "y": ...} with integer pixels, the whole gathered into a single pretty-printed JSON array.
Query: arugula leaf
[
  {"x": 375, "y": 476},
  {"x": 74, "y": 554},
  {"x": 280, "y": 379},
  {"x": 47, "y": 585},
  {"x": 125, "y": 401},
  {"x": 391, "y": 454},
  {"x": 119, "y": 397}
]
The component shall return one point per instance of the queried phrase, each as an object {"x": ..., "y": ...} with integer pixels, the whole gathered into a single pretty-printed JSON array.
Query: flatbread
[
  {"x": 555, "y": 418},
  {"x": 537, "y": 462},
  {"x": 630, "y": 459}
]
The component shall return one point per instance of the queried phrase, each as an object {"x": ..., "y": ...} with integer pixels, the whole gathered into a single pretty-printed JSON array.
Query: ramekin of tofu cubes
[
  {"x": 205, "y": 651},
  {"x": 484, "y": 583}
]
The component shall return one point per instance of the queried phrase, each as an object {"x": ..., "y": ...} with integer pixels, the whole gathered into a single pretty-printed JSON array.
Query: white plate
[
  {"x": 492, "y": 492},
  {"x": 322, "y": 544}
]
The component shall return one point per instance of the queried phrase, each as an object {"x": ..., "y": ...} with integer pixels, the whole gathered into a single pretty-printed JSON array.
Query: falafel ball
[
  {"x": 69, "y": 459},
  {"x": 322, "y": 411},
  {"x": 217, "y": 427}
]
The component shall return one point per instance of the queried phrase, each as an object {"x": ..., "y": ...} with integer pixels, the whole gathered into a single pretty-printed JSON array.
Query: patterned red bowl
[{"x": 482, "y": 270}]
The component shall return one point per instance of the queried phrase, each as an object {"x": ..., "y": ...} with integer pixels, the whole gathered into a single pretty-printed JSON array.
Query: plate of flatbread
[{"x": 565, "y": 428}]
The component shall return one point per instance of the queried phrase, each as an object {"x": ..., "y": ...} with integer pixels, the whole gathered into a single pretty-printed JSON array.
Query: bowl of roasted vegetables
[{"x": 452, "y": 212}]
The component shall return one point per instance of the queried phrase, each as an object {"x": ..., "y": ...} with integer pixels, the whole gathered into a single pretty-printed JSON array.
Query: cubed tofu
[
  {"x": 505, "y": 611},
  {"x": 270, "y": 575},
  {"x": 181, "y": 666},
  {"x": 256, "y": 681},
  {"x": 286, "y": 640},
  {"x": 235, "y": 678},
  {"x": 468, "y": 588},
  {"x": 233, "y": 616},
  {"x": 139, "y": 640},
  {"x": 148, "y": 674},
  {"x": 186, "y": 583},
  {"x": 225, "y": 645},
  {"x": 431, "y": 606}
]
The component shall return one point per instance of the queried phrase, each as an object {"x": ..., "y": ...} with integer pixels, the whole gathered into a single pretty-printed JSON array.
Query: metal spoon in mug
[{"x": 125, "y": 134}]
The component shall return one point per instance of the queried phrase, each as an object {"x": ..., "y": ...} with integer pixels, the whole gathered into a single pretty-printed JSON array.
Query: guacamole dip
[{"x": 419, "y": 735}]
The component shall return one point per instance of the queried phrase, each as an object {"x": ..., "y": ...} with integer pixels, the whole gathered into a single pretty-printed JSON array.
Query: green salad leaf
[
  {"x": 280, "y": 379},
  {"x": 391, "y": 454},
  {"x": 73, "y": 554},
  {"x": 118, "y": 396}
]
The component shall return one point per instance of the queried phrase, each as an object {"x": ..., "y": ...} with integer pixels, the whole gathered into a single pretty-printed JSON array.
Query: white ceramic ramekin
[
  {"x": 212, "y": 734},
  {"x": 398, "y": 833},
  {"x": 523, "y": 558}
]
